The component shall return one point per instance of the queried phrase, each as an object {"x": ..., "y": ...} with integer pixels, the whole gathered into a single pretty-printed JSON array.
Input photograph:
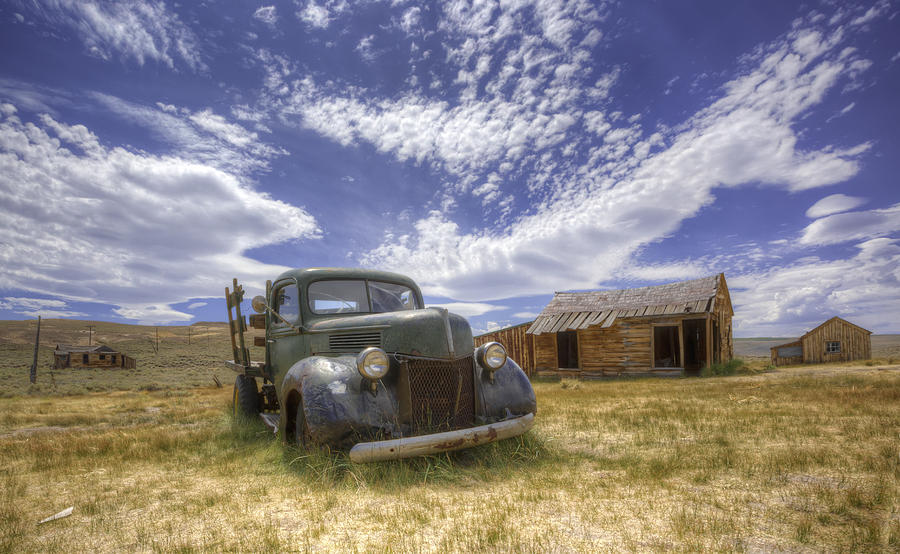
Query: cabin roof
[
  {"x": 842, "y": 320},
  {"x": 579, "y": 310},
  {"x": 67, "y": 349}
]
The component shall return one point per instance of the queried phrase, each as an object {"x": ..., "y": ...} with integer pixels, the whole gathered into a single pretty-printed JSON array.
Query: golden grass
[{"x": 789, "y": 460}]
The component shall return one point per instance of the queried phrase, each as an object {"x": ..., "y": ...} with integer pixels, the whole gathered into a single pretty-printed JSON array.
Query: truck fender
[
  {"x": 509, "y": 393},
  {"x": 338, "y": 402}
]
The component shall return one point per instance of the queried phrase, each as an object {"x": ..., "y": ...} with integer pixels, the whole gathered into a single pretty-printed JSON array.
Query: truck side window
[{"x": 287, "y": 304}]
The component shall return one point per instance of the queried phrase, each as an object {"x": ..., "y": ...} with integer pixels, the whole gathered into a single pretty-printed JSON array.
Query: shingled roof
[{"x": 580, "y": 310}]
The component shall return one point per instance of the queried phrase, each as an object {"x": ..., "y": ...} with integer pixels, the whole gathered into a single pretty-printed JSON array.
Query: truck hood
[{"x": 431, "y": 333}]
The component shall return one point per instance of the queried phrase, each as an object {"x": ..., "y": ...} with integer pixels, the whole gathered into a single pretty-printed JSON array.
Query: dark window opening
[
  {"x": 102, "y": 356},
  {"x": 84, "y": 359},
  {"x": 113, "y": 358},
  {"x": 666, "y": 347},
  {"x": 567, "y": 349},
  {"x": 694, "y": 331},
  {"x": 833, "y": 347}
]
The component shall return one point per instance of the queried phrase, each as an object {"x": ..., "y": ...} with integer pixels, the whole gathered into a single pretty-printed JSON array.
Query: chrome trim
[{"x": 423, "y": 445}]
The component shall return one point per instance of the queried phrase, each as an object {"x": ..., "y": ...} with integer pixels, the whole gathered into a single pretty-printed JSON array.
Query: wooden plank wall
[
  {"x": 545, "y": 351},
  {"x": 722, "y": 315},
  {"x": 856, "y": 344},
  {"x": 519, "y": 346},
  {"x": 621, "y": 349}
]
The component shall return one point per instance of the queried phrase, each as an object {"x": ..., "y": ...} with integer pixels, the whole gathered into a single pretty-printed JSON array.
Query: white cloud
[
  {"x": 616, "y": 203},
  {"x": 203, "y": 136},
  {"x": 872, "y": 13},
  {"x": 852, "y": 226},
  {"x": 468, "y": 309},
  {"x": 34, "y": 307},
  {"x": 195, "y": 305},
  {"x": 833, "y": 204},
  {"x": 410, "y": 19},
  {"x": 318, "y": 15},
  {"x": 138, "y": 30},
  {"x": 366, "y": 49},
  {"x": 526, "y": 315},
  {"x": 266, "y": 14},
  {"x": 84, "y": 222},
  {"x": 786, "y": 301}
]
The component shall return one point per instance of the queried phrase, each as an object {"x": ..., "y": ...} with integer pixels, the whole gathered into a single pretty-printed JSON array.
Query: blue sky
[{"x": 495, "y": 151}]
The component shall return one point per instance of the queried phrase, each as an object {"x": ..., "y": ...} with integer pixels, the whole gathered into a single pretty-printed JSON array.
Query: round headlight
[
  {"x": 373, "y": 363},
  {"x": 492, "y": 355}
]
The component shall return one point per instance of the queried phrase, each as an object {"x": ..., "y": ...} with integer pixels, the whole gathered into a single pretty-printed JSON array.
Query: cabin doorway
[
  {"x": 666, "y": 346},
  {"x": 567, "y": 349},
  {"x": 694, "y": 331}
]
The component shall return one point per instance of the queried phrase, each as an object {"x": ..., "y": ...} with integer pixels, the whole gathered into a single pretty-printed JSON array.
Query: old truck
[{"x": 354, "y": 359}]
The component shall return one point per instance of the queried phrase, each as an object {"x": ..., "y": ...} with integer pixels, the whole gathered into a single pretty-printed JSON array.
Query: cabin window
[
  {"x": 113, "y": 358},
  {"x": 833, "y": 347},
  {"x": 84, "y": 359},
  {"x": 666, "y": 346},
  {"x": 287, "y": 304},
  {"x": 102, "y": 356}
]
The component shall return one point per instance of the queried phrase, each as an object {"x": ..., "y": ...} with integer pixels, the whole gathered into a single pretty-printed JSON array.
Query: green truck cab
[{"x": 354, "y": 359}]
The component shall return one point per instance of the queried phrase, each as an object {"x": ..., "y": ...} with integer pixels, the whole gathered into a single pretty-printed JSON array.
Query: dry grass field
[{"x": 799, "y": 459}]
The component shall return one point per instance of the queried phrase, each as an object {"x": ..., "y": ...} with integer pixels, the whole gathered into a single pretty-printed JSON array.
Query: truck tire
[
  {"x": 302, "y": 437},
  {"x": 246, "y": 397}
]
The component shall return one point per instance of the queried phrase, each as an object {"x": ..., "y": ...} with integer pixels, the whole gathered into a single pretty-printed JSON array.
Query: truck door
[{"x": 286, "y": 344}]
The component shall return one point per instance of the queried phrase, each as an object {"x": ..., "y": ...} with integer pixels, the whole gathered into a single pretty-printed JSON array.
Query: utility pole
[
  {"x": 90, "y": 333},
  {"x": 189, "y": 334},
  {"x": 157, "y": 340},
  {"x": 37, "y": 341}
]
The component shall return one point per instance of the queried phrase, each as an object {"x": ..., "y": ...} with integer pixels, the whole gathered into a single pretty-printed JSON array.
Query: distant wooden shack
[
  {"x": 836, "y": 340},
  {"x": 90, "y": 356},
  {"x": 672, "y": 329}
]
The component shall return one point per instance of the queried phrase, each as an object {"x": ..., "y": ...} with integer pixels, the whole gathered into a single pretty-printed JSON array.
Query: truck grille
[
  {"x": 442, "y": 394},
  {"x": 353, "y": 342}
]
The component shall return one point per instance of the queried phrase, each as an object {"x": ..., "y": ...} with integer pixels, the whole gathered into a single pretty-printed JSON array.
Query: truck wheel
[
  {"x": 246, "y": 397},
  {"x": 302, "y": 436}
]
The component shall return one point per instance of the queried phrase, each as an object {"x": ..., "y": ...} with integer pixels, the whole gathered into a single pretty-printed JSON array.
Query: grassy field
[
  {"x": 770, "y": 462},
  {"x": 799, "y": 459},
  {"x": 187, "y": 357}
]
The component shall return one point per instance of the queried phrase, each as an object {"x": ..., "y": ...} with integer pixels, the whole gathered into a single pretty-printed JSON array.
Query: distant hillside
[{"x": 188, "y": 356}]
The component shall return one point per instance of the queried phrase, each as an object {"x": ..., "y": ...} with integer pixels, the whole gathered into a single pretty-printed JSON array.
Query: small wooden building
[
  {"x": 672, "y": 329},
  {"x": 90, "y": 356},
  {"x": 519, "y": 345},
  {"x": 836, "y": 340}
]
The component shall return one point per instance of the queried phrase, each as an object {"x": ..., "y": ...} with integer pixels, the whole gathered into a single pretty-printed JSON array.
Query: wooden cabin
[
  {"x": 519, "y": 345},
  {"x": 90, "y": 356},
  {"x": 673, "y": 329},
  {"x": 836, "y": 340}
]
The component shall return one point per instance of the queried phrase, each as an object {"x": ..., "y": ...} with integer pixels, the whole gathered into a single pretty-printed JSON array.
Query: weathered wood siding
[
  {"x": 722, "y": 315},
  {"x": 856, "y": 342},
  {"x": 621, "y": 349},
  {"x": 545, "y": 351},
  {"x": 519, "y": 346}
]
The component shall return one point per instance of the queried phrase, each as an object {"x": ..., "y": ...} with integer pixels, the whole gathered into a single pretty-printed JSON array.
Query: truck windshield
[{"x": 354, "y": 296}]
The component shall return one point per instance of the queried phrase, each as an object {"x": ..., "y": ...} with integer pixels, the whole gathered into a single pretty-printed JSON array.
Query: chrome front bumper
[{"x": 409, "y": 447}]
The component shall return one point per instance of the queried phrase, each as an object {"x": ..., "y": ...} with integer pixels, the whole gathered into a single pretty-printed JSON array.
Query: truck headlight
[
  {"x": 491, "y": 355},
  {"x": 373, "y": 363}
]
